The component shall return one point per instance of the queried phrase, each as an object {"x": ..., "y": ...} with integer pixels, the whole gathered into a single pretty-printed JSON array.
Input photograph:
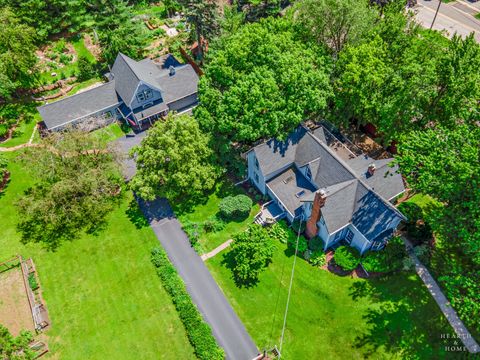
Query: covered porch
[{"x": 142, "y": 118}]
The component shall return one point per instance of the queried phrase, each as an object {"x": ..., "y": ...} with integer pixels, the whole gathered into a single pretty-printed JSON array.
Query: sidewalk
[
  {"x": 460, "y": 330},
  {"x": 215, "y": 251}
]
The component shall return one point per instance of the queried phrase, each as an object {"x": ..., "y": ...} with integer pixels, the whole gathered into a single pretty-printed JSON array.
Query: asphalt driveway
[{"x": 214, "y": 307}]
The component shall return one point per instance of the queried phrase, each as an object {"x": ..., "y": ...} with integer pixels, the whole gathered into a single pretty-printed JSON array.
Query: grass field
[
  {"x": 104, "y": 298},
  {"x": 209, "y": 208},
  {"x": 332, "y": 317}
]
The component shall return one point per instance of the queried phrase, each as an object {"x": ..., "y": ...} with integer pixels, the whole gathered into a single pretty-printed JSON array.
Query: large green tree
[
  {"x": 15, "y": 347},
  {"x": 203, "y": 16},
  {"x": 261, "y": 82},
  {"x": 250, "y": 253},
  {"x": 335, "y": 23},
  {"x": 174, "y": 161},
  {"x": 445, "y": 163},
  {"x": 17, "y": 53},
  {"x": 78, "y": 181},
  {"x": 117, "y": 29}
]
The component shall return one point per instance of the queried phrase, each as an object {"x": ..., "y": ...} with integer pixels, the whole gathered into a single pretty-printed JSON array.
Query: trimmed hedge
[
  {"x": 234, "y": 207},
  {"x": 347, "y": 258},
  {"x": 198, "y": 331}
]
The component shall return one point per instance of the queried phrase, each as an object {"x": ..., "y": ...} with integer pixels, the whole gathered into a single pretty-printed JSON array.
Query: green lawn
[
  {"x": 333, "y": 317},
  {"x": 25, "y": 127},
  {"x": 208, "y": 208},
  {"x": 104, "y": 298},
  {"x": 69, "y": 69}
]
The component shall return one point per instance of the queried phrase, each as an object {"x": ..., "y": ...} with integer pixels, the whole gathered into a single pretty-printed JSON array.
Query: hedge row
[{"x": 198, "y": 331}]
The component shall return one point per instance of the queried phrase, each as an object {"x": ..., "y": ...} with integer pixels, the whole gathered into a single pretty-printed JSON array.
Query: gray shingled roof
[
  {"x": 352, "y": 196},
  {"x": 291, "y": 187},
  {"x": 178, "y": 86},
  {"x": 128, "y": 73},
  {"x": 80, "y": 105}
]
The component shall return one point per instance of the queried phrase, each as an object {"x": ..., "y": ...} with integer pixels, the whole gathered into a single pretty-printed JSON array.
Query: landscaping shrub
[
  {"x": 418, "y": 229},
  {"x": 193, "y": 231},
  {"x": 279, "y": 231},
  {"x": 198, "y": 331},
  {"x": 302, "y": 243},
  {"x": 298, "y": 225},
  {"x": 213, "y": 224},
  {"x": 347, "y": 258},
  {"x": 32, "y": 281},
  {"x": 86, "y": 69},
  {"x": 235, "y": 207},
  {"x": 316, "y": 243},
  {"x": 317, "y": 258},
  {"x": 391, "y": 258}
]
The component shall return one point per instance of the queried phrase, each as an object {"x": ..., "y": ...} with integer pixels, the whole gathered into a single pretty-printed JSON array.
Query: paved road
[
  {"x": 455, "y": 17},
  {"x": 227, "y": 327}
]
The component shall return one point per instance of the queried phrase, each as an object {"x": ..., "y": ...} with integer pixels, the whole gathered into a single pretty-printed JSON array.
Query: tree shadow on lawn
[
  {"x": 223, "y": 188},
  {"x": 403, "y": 319},
  {"x": 135, "y": 215}
]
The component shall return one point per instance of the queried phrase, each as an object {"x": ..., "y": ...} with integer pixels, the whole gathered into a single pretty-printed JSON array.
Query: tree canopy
[
  {"x": 251, "y": 252},
  {"x": 260, "y": 82},
  {"x": 17, "y": 56},
  {"x": 174, "y": 161},
  {"x": 117, "y": 30},
  {"x": 335, "y": 23},
  {"x": 77, "y": 183}
]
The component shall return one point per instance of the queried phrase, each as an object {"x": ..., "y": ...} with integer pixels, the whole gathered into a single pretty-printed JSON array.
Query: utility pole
[{"x": 436, "y": 13}]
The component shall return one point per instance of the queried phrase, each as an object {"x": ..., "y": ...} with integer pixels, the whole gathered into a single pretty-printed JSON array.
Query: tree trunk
[{"x": 199, "y": 43}]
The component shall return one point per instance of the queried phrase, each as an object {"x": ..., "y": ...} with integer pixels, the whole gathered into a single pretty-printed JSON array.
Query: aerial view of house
[
  {"x": 340, "y": 196},
  {"x": 138, "y": 92},
  {"x": 239, "y": 180}
]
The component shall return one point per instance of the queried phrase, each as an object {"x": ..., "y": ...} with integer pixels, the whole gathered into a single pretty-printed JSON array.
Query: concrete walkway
[
  {"x": 227, "y": 328},
  {"x": 215, "y": 251},
  {"x": 460, "y": 330}
]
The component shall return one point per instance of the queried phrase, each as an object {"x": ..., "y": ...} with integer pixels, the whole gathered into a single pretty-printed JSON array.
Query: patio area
[{"x": 269, "y": 214}]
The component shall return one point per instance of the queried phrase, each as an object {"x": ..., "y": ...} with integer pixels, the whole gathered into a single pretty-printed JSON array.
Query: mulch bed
[{"x": 359, "y": 272}]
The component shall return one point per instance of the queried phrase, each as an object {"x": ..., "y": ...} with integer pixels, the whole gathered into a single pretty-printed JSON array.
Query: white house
[{"x": 340, "y": 196}]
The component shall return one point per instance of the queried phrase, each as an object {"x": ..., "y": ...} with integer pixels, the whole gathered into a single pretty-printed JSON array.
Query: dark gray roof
[
  {"x": 291, "y": 187},
  {"x": 372, "y": 216},
  {"x": 174, "y": 87},
  {"x": 352, "y": 196},
  {"x": 386, "y": 181},
  {"x": 128, "y": 74},
  {"x": 156, "y": 108},
  {"x": 80, "y": 105}
]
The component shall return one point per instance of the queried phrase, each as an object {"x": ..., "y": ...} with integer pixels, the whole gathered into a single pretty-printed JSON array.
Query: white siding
[{"x": 359, "y": 241}]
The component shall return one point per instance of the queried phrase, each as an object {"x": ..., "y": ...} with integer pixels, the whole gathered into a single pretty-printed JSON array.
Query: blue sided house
[
  {"x": 341, "y": 196},
  {"x": 138, "y": 92}
]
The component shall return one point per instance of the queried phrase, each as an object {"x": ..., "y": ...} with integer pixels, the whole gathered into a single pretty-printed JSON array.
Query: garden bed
[
  {"x": 208, "y": 209},
  {"x": 15, "y": 313}
]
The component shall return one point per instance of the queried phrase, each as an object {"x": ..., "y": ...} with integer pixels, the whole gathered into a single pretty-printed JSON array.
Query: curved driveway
[{"x": 226, "y": 326}]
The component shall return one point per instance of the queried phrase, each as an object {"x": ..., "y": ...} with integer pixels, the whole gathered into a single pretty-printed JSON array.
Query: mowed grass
[
  {"x": 103, "y": 296},
  {"x": 333, "y": 317},
  {"x": 209, "y": 208}
]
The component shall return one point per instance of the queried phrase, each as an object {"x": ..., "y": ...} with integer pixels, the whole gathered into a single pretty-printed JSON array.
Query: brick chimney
[
  {"x": 311, "y": 228},
  {"x": 371, "y": 169}
]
